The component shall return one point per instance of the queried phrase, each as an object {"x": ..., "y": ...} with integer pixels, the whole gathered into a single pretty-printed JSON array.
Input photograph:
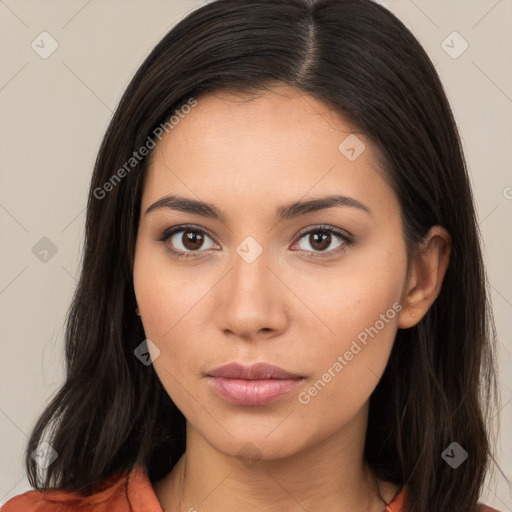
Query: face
[{"x": 315, "y": 291}]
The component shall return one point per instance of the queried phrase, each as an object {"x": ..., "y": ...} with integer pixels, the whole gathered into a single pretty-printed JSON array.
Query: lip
[
  {"x": 256, "y": 384},
  {"x": 255, "y": 371}
]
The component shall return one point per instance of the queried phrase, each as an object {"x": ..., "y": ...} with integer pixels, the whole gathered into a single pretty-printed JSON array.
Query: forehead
[
  {"x": 264, "y": 147},
  {"x": 285, "y": 111}
]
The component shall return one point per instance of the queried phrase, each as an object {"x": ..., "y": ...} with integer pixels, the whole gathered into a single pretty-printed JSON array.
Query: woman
[{"x": 282, "y": 304}]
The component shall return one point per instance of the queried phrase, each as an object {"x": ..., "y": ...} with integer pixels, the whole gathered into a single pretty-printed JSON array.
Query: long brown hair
[{"x": 439, "y": 386}]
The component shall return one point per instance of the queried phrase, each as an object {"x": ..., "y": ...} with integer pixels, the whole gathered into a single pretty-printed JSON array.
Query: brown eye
[
  {"x": 319, "y": 240},
  {"x": 323, "y": 239},
  {"x": 184, "y": 241},
  {"x": 192, "y": 240}
]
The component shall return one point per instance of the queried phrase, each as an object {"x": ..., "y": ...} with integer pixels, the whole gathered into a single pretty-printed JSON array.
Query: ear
[{"x": 426, "y": 276}]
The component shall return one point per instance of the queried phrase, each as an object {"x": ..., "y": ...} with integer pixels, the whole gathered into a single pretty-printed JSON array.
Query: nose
[{"x": 252, "y": 301}]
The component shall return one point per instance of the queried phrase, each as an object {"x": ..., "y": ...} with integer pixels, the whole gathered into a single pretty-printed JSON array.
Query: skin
[{"x": 249, "y": 155}]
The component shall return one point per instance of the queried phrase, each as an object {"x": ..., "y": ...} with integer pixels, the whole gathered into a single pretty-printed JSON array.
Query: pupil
[
  {"x": 325, "y": 237},
  {"x": 193, "y": 240}
]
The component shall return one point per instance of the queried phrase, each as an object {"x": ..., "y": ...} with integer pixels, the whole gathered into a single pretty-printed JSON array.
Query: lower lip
[{"x": 252, "y": 392}]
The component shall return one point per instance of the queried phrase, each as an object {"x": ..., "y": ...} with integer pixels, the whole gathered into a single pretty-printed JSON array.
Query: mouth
[{"x": 256, "y": 384}]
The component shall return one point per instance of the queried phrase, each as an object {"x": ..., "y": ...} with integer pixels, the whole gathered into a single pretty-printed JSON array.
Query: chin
[{"x": 264, "y": 442}]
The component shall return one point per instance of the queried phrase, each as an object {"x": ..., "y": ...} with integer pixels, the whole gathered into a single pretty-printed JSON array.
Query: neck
[{"x": 327, "y": 476}]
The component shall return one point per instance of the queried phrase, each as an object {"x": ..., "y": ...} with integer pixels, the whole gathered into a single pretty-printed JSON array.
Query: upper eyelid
[
  {"x": 167, "y": 233},
  {"x": 327, "y": 227}
]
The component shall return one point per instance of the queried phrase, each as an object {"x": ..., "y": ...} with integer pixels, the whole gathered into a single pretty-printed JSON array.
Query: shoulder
[
  {"x": 112, "y": 494},
  {"x": 400, "y": 503},
  {"x": 54, "y": 501}
]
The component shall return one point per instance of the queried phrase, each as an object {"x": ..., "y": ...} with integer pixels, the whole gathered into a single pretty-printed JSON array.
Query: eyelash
[{"x": 347, "y": 241}]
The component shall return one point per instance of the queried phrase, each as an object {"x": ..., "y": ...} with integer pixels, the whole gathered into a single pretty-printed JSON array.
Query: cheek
[
  {"x": 350, "y": 297},
  {"x": 348, "y": 363},
  {"x": 170, "y": 303},
  {"x": 165, "y": 294},
  {"x": 356, "y": 311}
]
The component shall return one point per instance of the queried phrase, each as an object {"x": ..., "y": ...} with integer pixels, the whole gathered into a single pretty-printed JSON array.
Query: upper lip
[{"x": 256, "y": 371}]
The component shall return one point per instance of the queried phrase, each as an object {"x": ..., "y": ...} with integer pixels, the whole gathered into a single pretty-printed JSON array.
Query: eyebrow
[{"x": 291, "y": 211}]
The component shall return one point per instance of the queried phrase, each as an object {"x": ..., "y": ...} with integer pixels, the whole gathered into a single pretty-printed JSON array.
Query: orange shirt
[{"x": 125, "y": 492}]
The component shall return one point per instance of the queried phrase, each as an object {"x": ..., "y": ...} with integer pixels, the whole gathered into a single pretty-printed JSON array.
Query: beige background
[{"x": 55, "y": 111}]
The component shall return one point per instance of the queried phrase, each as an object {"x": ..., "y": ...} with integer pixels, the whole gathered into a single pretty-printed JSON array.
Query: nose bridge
[
  {"x": 251, "y": 293},
  {"x": 251, "y": 275}
]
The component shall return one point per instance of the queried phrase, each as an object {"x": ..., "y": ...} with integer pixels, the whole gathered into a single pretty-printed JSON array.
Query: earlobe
[{"x": 426, "y": 278}]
